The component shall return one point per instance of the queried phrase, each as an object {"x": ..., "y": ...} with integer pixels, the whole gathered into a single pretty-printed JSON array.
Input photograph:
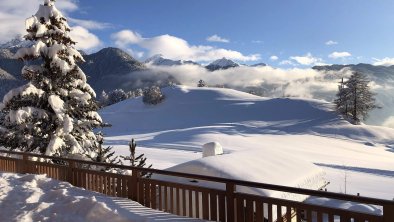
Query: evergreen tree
[
  {"x": 201, "y": 83},
  {"x": 342, "y": 101},
  {"x": 105, "y": 154},
  {"x": 139, "y": 161},
  {"x": 103, "y": 99},
  {"x": 354, "y": 98},
  {"x": 115, "y": 96},
  {"x": 55, "y": 112},
  {"x": 153, "y": 96},
  {"x": 138, "y": 92}
]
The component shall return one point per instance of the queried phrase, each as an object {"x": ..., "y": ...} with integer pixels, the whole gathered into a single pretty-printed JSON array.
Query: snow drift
[{"x": 38, "y": 198}]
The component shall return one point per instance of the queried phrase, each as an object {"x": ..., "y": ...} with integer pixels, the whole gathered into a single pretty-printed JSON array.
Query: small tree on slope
[
  {"x": 105, "y": 154},
  {"x": 55, "y": 113},
  {"x": 201, "y": 83},
  {"x": 139, "y": 161},
  {"x": 355, "y": 98}
]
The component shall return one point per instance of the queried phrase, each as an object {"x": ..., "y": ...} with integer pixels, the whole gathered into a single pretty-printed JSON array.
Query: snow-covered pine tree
[
  {"x": 103, "y": 99},
  {"x": 355, "y": 98},
  {"x": 138, "y": 92},
  {"x": 55, "y": 113},
  {"x": 153, "y": 96},
  {"x": 116, "y": 96}
]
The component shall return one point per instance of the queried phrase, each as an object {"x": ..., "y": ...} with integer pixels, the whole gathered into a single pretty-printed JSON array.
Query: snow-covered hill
[{"x": 281, "y": 140}]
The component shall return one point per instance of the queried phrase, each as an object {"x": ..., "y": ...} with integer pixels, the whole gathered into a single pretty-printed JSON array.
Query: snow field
[{"x": 281, "y": 141}]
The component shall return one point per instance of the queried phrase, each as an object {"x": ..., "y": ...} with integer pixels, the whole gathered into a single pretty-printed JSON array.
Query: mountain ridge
[{"x": 221, "y": 64}]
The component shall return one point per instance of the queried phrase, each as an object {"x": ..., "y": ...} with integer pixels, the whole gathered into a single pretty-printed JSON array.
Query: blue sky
[{"x": 280, "y": 33}]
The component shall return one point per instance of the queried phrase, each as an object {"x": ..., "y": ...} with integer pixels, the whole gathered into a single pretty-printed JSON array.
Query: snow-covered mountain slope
[
  {"x": 159, "y": 60},
  {"x": 282, "y": 140},
  {"x": 5, "y": 75},
  {"x": 16, "y": 44},
  {"x": 7, "y": 82},
  {"x": 5, "y": 54},
  {"x": 38, "y": 198},
  {"x": 221, "y": 64}
]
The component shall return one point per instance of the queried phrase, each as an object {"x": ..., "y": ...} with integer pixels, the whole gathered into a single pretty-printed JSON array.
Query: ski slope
[{"x": 287, "y": 141}]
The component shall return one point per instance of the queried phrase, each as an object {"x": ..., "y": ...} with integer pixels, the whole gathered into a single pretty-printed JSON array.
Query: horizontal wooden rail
[{"x": 193, "y": 201}]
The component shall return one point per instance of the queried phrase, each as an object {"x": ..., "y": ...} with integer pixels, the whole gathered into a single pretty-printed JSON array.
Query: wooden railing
[{"x": 191, "y": 200}]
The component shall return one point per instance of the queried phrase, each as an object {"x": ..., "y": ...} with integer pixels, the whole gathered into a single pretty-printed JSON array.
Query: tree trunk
[{"x": 355, "y": 105}]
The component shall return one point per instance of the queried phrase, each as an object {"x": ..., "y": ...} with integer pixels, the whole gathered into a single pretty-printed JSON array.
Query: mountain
[
  {"x": 107, "y": 68},
  {"x": 159, "y": 60},
  {"x": 5, "y": 75},
  {"x": 7, "y": 82},
  {"x": 110, "y": 60},
  {"x": 16, "y": 44},
  {"x": 375, "y": 73},
  {"x": 113, "y": 68},
  {"x": 221, "y": 64},
  {"x": 12, "y": 66},
  {"x": 259, "y": 65},
  {"x": 5, "y": 54}
]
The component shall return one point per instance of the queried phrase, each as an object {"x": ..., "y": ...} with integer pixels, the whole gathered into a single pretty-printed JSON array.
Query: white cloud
[
  {"x": 337, "y": 55},
  {"x": 66, "y": 5},
  {"x": 275, "y": 82},
  {"x": 287, "y": 62},
  {"x": 176, "y": 48},
  {"x": 85, "y": 40},
  {"x": 331, "y": 42},
  {"x": 383, "y": 62},
  {"x": 307, "y": 60},
  {"x": 14, "y": 12},
  {"x": 89, "y": 24},
  {"x": 216, "y": 38},
  {"x": 274, "y": 58}
]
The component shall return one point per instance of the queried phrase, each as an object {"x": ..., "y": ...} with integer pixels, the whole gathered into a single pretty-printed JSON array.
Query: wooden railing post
[
  {"x": 71, "y": 166},
  {"x": 133, "y": 186},
  {"x": 388, "y": 213},
  {"x": 25, "y": 163},
  {"x": 230, "y": 195}
]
